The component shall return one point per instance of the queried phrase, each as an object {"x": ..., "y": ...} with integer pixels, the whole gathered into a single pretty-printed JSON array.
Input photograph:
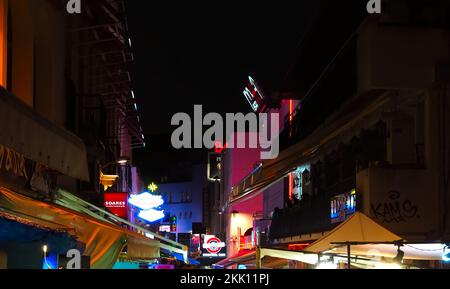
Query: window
[{"x": 186, "y": 197}]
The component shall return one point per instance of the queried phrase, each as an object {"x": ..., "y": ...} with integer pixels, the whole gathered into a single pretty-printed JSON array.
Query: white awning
[
  {"x": 290, "y": 255},
  {"x": 38, "y": 139},
  {"x": 358, "y": 228}
]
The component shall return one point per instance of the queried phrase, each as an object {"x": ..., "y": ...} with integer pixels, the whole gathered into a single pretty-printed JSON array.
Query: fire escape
[{"x": 108, "y": 105}]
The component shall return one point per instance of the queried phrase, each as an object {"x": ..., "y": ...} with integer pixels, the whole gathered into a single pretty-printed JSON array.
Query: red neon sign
[
  {"x": 219, "y": 148},
  {"x": 254, "y": 96}
]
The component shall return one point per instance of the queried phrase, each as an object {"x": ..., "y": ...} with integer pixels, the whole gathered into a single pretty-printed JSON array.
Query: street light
[
  {"x": 108, "y": 180},
  {"x": 123, "y": 161}
]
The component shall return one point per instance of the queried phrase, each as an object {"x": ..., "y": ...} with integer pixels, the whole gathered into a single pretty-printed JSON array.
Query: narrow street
[{"x": 224, "y": 139}]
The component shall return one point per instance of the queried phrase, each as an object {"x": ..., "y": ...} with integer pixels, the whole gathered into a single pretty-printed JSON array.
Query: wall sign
[
  {"x": 148, "y": 204},
  {"x": 117, "y": 204},
  {"x": 213, "y": 247},
  {"x": 146, "y": 201},
  {"x": 343, "y": 206},
  {"x": 151, "y": 215},
  {"x": 254, "y": 96},
  {"x": 214, "y": 166}
]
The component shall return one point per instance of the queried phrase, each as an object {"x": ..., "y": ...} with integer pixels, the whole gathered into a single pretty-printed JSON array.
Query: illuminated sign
[
  {"x": 254, "y": 96},
  {"x": 146, "y": 201},
  {"x": 213, "y": 247},
  {"x": 343, "y": 206},
  {"x": 151, "y": 215},
  {"x": 300, "y": 182},
  {"x": 152, "y": 187},
  {"x": 165, "y": 228},
  {"x": 174, "y": 224},
  {"x": 116, "y": 203},
  {"x": 214, "y": 166}
]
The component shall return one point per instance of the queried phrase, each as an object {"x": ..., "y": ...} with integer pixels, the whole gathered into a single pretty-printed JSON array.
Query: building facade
[{"x": 369, "y": 135}]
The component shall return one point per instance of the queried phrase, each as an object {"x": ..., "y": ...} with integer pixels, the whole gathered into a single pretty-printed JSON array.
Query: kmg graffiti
[{"x": 395, "y": 210}]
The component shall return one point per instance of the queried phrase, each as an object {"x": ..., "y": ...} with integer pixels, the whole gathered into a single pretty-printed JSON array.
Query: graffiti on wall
[{"x": 395, "y": 209}]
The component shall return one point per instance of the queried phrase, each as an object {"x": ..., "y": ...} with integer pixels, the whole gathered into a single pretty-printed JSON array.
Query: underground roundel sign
[{"x": 213, "y": 246}]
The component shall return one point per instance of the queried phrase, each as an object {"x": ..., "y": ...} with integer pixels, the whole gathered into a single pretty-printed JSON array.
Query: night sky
[{"x": 202, "y": 54}]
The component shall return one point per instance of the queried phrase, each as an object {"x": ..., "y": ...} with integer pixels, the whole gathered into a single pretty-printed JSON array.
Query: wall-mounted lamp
[{"x": 123, "y": 161}]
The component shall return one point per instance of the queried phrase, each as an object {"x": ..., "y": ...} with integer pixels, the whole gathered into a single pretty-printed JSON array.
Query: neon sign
[
  {"x": 254, "y": 96},
  {"x": 151, "y": 215},
  {"x": 343, "y": 206},
  {"x": 146, "y": 201},
  {"x": 152, "y": 187}
]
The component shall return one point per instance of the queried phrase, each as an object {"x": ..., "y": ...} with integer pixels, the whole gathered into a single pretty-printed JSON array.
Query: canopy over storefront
[
  {"x": 242, "y": 256},
  {"x": 358, "y": 228},
  {"x": 40, "y": 140},
  {"x": 104, "y": 241}
]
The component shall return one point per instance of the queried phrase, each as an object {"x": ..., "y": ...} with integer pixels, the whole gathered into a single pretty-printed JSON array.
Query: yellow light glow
[
  {"x": 107, "y": 180},
  {"x": 152, "y": 187},
  {"x": 387, "y": 266}
]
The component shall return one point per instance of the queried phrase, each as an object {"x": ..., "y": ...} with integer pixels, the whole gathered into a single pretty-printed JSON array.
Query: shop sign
[
  {"x": 12, "y": 162},
  {"x": 214, "y": 166},
  {"x": 254, "y": 96},
  {"x": 117, "y": 204},
  {"x": 14, "y": 168},
  {"x": 343, "y": 206}
]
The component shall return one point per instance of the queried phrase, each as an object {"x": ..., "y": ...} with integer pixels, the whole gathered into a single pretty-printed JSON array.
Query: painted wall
[
  {"x": 403, "y": 201},
  {"x": 187, "y": 213},
  {"x": 273, "y": 197}
]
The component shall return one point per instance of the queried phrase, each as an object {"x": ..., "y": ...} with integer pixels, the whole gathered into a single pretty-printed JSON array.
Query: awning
[
  {"x": 290, "y": 255},
  {"x": 241, "y": 257},
  {"x": 104, "y": 241},
  {"x": 142, "y": 249},
  {"x": 72, "y": 202},
  {"x": 20, "y": 230},
  {"x": 273, "y": 170},
  {"x": 412, "y": 251},
  {"x": 40, "y": 140},
  {"x": 358, "y": 228},
  {"x": 180, "y": 258}
]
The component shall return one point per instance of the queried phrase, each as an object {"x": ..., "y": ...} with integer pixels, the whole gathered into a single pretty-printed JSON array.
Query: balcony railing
[{"x": 309, "y": 216}]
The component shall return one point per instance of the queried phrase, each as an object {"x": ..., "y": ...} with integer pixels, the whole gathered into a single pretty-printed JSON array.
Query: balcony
[{"x": 309, "y": 216}]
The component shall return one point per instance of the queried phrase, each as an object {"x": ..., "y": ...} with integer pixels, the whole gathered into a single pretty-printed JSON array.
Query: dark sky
[{"x": 202, "y": 54}]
